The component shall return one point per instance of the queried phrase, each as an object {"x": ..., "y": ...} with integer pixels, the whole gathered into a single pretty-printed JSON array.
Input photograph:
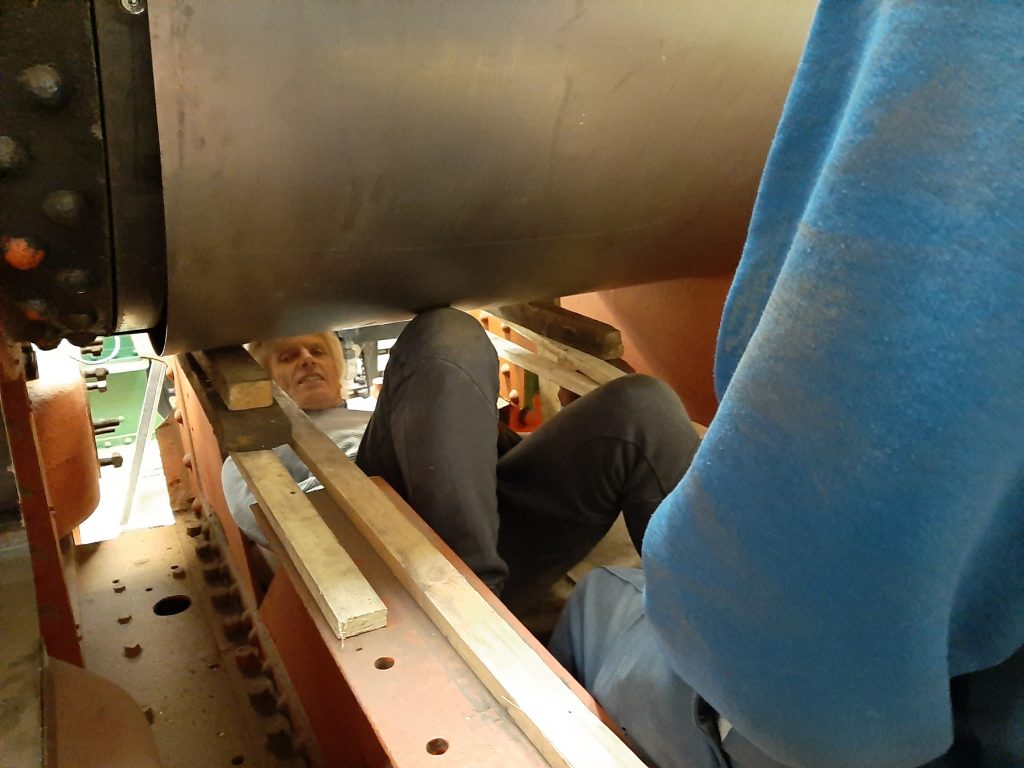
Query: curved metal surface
[{"x": 331, "y": 164}]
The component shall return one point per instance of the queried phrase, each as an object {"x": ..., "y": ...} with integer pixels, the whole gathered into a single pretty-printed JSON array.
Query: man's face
[{"x": 304, "y": 369}]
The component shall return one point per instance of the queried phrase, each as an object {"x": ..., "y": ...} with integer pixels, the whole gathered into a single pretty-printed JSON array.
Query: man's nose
[{"x": 305, "y": 357}]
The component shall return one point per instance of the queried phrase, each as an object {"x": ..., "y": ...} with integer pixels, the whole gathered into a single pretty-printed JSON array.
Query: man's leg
[
  {"x": 433, "y": 435},
  {"x": 621, "y": 448},
  {"x": 606, "y": 642}
]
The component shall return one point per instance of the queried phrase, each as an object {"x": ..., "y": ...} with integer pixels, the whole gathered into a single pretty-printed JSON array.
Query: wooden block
[
  {"x": 255, "y": 429},
  {"x": 240, "y": 381},
  {"x": 348, "y": 602},
  {"x": 566, "y": 327},
  {"x": 559, "y": 725}
]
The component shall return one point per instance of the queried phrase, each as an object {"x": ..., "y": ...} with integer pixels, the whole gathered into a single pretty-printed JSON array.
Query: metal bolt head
[
  {"x": 64, "y": 207},
  {"x": 177, "y": 572},
  {"x": 44, "y": 83},
  {"x": 119, "y": 588},
  {"x": 148, "y": 712},
  {"x": 74, "y": 280},
  {"x": 124, "y": 618},
  {"x": 134, "y": 7},
  {"x": 12, "y": 156}
]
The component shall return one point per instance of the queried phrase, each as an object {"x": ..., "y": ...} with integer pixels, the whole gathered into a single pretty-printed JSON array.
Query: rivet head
[
  {"x": 64, "y": 207},
  {"x": 12, "y": 156},
  {"x": 74, "y": 280},
  {"x": 124, "y": 618},
  {"x": 21, "y": 252},
  {"x": 45, "y": 84}
]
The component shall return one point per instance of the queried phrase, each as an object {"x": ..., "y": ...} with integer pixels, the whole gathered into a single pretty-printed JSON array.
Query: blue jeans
[{"x": 604, "y": 639}]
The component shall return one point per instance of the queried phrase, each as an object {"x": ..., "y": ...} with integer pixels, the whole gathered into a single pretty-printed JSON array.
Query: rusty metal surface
[
  {"x": 180, "y": 666},
  {"x": 55, "y": 249},
  {"x": 407, "y": 680},
  {"x": 331, "y": 164},
  {"x": 56, "y": 619}
]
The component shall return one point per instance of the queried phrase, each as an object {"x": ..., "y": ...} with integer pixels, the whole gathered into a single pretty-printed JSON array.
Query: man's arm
[{"x": 808, "y": 574}]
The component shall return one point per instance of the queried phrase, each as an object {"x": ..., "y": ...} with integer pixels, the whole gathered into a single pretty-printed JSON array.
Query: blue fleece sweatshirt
[{"x": 850, "y": 535}]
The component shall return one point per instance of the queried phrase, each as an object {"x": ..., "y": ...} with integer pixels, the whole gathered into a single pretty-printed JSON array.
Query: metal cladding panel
[{"x": 332, "y": 164}]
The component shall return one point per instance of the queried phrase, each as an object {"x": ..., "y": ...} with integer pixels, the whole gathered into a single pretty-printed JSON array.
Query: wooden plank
[
  {"x": 255, "y": 429},
  {"x": 241, "y": 382},
  {"x": 566, "y": 327},
  {"x": 559, "y": 725},
  {"x": 542, "y": 366},
  {"x": 567, "y": 367},
  {"x": 348, "y": 602}
]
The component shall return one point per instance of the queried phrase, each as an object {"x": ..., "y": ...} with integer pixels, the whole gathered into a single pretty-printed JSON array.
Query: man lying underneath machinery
[{"x": 832, "y": 575}]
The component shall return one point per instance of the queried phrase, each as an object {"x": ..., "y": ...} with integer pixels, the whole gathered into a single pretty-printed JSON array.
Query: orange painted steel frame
[
  {"x": 56, "y": 619},
  {"x": 362, "y": 715}
]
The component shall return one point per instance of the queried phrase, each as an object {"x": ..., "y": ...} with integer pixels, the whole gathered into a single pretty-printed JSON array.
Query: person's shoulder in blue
[{"x": 838, "y": 580}]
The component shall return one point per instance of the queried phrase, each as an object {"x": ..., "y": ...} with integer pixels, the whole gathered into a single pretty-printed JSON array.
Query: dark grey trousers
[{"x": 521, "y": 521}]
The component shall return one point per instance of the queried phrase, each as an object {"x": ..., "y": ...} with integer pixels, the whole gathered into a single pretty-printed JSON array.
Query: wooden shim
[
  {"x": 559, "y": 725},
  {"x": 542, "y": 366},
  {"x": 256, "y": 429},
  {"x": 241, "y": 382},
  {"x": 348, "y": 602},
  {"x": 557, "y": 362},
  {"x": 566, "y": 327}
]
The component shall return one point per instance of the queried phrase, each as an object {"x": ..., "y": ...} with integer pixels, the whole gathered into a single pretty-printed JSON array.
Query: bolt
[
  {"x": 225, "y": 599},
  {"x": 148, "y": 712},
  {"x": 22, "y": 252},
  {"x": 134, "y": 7},
  {"x": 206, "y": 550},
  {"x": 74, "y": 280},
  {"x": 279, "y": 737},
  {"x": 237, "y": 628},
  {"x": 97, "y": 386},
  {"x": 124, "y": 618},
  {"x": 178, "y": 417},
  {"x": 12, "y": 156},
  {"x": 187, "y": 460},
  {"x": 36, "y": 310},
  {"x": 506, "y": 369},
  {"x": 114, "y": 460},
  {"x": 63, "y": 206},
  {"x": 133, "y": 651},
  {"x": 214, "y": 573},
  {"x": 119, "y": 588},
  {"x": 262, "y": 697},
  {"x": 248, "y": 661},
  {"x": 513, "y": 396},
  {"x": 177, "y": 572},
  {"x": 45, "y": 84},
  {"x": 80, "y": 338}
]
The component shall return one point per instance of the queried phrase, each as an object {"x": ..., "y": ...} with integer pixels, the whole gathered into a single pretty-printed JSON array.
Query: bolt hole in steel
[
  {"x": 169, "y": 606},
  {"x": 437, "y": 746},
  {"x": 149, "y": 589},
  {"x": 116, "y": 581},
  {"x": 384, "y": 662},
  {"x": 237, "y": 760}
]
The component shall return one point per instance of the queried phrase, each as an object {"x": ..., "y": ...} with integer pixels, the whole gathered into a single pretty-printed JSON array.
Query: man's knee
[
  {"x": 645, "y": 400},
  {"x": 445, "y": 333}
]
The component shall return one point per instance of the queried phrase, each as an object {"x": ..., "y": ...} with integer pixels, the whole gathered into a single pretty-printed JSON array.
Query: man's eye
[{"x": 286, "y": 358}]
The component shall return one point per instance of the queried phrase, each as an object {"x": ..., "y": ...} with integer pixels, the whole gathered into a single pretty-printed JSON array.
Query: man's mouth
[{"x": 310, "y": 377}]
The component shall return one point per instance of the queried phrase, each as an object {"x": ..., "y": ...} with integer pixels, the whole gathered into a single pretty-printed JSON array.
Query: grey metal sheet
[{"x": 329, "y": 164}]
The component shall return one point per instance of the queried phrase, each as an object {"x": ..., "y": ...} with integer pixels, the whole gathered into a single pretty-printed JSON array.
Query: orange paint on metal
[{"x": 21, "y": 254}]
